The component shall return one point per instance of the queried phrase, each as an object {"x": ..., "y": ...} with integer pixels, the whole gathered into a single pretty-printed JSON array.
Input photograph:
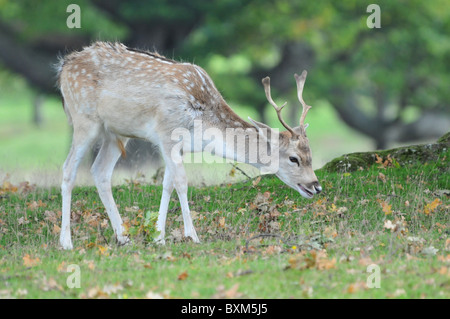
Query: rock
[{"x": 400, "y": 156}]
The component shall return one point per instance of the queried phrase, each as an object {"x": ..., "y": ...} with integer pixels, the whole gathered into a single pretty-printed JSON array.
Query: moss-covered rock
[{"x": 400, "y": 156}]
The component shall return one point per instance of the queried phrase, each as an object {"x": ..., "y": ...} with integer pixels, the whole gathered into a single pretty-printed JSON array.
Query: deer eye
[{"x": 294, "y": 160}]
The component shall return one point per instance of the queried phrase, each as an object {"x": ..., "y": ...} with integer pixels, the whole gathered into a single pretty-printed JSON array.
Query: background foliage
[{"x": 388, "y": 85}]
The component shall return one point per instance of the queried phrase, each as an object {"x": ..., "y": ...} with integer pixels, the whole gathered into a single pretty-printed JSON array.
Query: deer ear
[{"x": 263, "y": 129}]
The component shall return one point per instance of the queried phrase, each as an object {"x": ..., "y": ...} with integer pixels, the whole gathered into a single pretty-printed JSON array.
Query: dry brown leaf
[
  {"x": 97, "y": 293},
  {"x": 256, "y": 181},
  {"x": 365, "y": 261},
  {"x": 56, "y": 229},
  {"x": 231, "y": 293},
  {"x": 22, "y": 221},
  {"x": 50, "y": 284},
  {"x": 355, "y": 287},
  {"x": 222, "y": 222},
  {"x": 50, "y": 216},
  {"x": 183, "y": 275},
  {"x": 431, "y": 207},
  {"x": 387, "y": 209},
  {"x": 176, "y": 234},
  {"x": 312, "y": 259},
  {"x": 443, "y": 270},
  {"x": 29, "y": 261},
  {"x": 389, "y": 225},
  {"x": 153, "y": 295},
  {"x": 8, "y": 188},
  {"x": 62, "y": 267},
  {"x": 33, "y": 205}
]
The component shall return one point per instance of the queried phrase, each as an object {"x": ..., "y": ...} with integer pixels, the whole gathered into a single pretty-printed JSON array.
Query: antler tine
[
  {"x": 266, "y": 83},
  {"x": 300, "y": 84}
]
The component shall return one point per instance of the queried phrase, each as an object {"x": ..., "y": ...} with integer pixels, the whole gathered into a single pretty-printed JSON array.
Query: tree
[{"x": 374, "y": 78}]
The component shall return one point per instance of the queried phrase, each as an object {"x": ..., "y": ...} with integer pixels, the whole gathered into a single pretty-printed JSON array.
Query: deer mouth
[{"x": 305, "y": 192}]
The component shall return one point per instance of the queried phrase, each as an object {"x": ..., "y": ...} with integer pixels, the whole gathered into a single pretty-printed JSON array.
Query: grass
[{"x": 394, "y": 218}]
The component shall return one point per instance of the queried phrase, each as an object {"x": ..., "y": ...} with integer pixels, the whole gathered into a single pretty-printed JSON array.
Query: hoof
[
  {"x": 66, "y": 244},
  {"x": 124, "y": 241}
]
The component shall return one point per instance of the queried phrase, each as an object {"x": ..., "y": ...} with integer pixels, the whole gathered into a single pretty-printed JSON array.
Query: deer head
[{"x": 295, "y": 160}]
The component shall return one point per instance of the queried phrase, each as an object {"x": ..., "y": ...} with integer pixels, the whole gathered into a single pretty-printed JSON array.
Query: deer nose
[{"x": 317, "y": 187}]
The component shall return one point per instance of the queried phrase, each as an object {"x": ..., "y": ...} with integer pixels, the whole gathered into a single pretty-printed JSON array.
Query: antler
[
  {"x": 300, "y": 84},
  {"x": 266, "y": 83}
]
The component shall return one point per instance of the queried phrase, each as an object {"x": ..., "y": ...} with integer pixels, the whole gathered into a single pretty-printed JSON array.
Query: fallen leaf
[
  {"x": 112, "y": 289},
  {"x": 389, "y": 225},
  {"x": 231, "y": 293},
  {"x": 50, "y": 284},
  {"x": 311, "y": 259},
  {"x": 256, "y": 181},
  {"x": 355, "y": 287},
  {"x": 443, "y": 270},
  {"x": 183, "y": 275},
  {"x": 102, "y": 250},
  {"x": 56, "y": 229},
  {"x": 29, "y": 261},
  {"x": 33, "y": 205},
  {"x": 397, "y": 293},
  {"x": 222, "y": 222},
  {"x": 50, "y": 216},
  {"x": 96, "y": 292},
  {"x": 431, "y": 207},
  {"x": 8, "y": 188},
  {"x": 23, "y": 221},
  {"x": 365, "y": 261},
  {"x": 176, "y": 234},
  {"x": 22, "y": 292},
  {"x": 153, "y": 295},
  {"x": 62, "y": 267},
  {"x": 330, "y": 231},
  {"x": 387, "y": 209}
]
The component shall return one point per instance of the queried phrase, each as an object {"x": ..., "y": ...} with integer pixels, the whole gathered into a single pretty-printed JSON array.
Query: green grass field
[{"x": 260, "y": 239}]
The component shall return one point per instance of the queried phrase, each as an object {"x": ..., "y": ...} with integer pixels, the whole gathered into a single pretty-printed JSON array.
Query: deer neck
[{"x": 228, "y": 136}]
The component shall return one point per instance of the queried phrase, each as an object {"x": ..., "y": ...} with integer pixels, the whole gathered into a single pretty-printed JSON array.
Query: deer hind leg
[
  {"x": 102, "y": 171},
  {"x": 83, "y": 138}
]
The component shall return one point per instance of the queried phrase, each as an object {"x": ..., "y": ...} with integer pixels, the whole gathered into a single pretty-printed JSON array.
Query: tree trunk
[{"x": 37, "y": 109}]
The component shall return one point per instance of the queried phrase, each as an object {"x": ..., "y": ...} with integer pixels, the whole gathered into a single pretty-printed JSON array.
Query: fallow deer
[{"x": 112, "y": 93}]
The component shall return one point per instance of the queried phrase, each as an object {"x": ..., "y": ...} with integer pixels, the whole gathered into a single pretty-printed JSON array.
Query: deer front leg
[
  {"x": 181, "y": 186},
  {"x": 164, "y": 205},
  {"x": 175, "y": 177}
]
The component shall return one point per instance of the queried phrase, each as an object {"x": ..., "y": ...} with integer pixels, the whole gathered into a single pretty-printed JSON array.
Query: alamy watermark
[
  {"x": 374, "y": 20},
  {"x": 255, "y": 147},
  {"x": 74, "y": 279},
  {"x": 74, "y": 19},
  {"x": 374, "y": 279}
]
